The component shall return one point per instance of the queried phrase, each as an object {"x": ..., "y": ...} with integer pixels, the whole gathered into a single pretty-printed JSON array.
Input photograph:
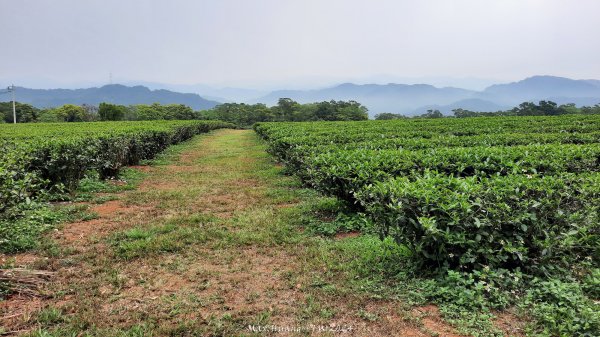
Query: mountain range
[
  {"x": 113, "y": 93},
  {"x": 396, "y": 98},
  {"x": 418, "y": 98}
]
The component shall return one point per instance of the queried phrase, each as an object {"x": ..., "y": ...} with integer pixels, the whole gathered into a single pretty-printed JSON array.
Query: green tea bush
[
  {"x": 16, "y": 183},
  {"x": 501, "y": 222}
]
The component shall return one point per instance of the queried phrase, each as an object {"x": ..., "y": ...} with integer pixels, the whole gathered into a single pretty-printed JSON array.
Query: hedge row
[
  {"x": 462, "y": 194},
  {"x": 37, "y": 158},
  {"x": 530, "y": 222}
]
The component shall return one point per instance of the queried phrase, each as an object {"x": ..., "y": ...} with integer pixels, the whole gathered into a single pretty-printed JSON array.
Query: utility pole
[{"x": 12, "y": 89}]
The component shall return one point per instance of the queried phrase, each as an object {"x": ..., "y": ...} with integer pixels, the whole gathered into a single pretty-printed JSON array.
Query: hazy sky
[{"x": 295, "y": 42}]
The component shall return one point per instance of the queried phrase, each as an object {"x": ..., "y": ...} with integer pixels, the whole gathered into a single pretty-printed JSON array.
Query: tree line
[
  {"x": 239, "y": 113},
  {"x": 287, "y": 110},
  {"x": 543, "y": 108},
  {"x": 245, "y": 115},
  {"x": 89, "y": 113}
]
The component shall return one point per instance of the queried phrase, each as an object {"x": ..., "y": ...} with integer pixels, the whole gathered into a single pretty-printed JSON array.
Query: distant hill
[
  {"x": 563, "y": 90},
  {"x": 395, "y": 98},
  {"x": 472, "y": 104},
  {"x": 418, "y": 98},
  {"x": 114, "y": 93},
  {"x": 227, "y": 94}
]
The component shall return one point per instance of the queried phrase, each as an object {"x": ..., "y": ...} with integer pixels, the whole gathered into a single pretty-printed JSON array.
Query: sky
[{"x": 296, "y": 43}]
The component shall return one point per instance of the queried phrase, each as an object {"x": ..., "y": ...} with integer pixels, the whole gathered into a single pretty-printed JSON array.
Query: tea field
[
  {"x": 478, "y": 202},
  {"x": 418, "y": 227},
  {"x": 40, "y": 160}
]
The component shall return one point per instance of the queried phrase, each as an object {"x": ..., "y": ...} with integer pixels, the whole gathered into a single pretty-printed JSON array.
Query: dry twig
[{"x": 23, "y": 281}]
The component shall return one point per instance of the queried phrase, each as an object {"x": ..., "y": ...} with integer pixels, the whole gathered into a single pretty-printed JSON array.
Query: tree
[
  {"x": 178, "y": 111},
  {"x": 285, "y": 108},
  {"x": 462, "y": 113},
  {"x": 388, "y": 116},
  {"x": 48, "y": 116},
  {"x": 549, "y": 108},
  {"x": 350, "y": 111},
  {"x": 340, "y": 111},
  {"x": 25, "y": 112},
  {"x": 240, "y": 113},
  {"x": 70, "y": 113},
  {"x": 91, "y": 112},
  {"x": 543, "y": 108},
  {"x": 432, "y": 114},
  {"x": 569, "y": 108},
  {"x": 145, "y": 112},
  {"x": 111, "y": 112},
  {"x": 209, "y": 114},
  {"x": 305, "y": 112},
  {"x": 591, "y": 109}
]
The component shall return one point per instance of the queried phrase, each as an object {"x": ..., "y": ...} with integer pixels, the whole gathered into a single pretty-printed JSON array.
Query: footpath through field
[{"x": 208, "y": 244}]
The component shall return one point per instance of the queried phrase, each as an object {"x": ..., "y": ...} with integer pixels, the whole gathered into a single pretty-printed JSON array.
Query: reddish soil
[{"x": 510, "y": 323}]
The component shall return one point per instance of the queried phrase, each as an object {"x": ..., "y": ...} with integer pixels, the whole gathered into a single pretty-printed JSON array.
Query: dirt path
[{"x": 207, "y": 245}]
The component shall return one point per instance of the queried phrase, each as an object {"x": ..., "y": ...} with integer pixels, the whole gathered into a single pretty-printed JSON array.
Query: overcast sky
[{"x": 288, "y": 43}]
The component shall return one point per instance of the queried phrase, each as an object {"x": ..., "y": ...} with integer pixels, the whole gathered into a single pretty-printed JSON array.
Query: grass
[
  {"x": 24, "y": 230},
  {"x": 168, "y": 237}
]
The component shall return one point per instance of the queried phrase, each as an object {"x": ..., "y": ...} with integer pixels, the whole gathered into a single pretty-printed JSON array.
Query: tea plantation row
[
  {"x": 40, "y": 158},
  {"x": 460, "y": 193},
  {"x": 499, "y": 211}
]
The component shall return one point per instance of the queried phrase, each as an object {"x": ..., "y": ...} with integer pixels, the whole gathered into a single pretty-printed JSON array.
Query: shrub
[{"x": 500, "y": 222}]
